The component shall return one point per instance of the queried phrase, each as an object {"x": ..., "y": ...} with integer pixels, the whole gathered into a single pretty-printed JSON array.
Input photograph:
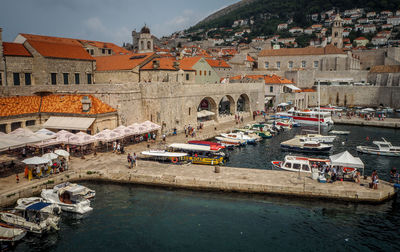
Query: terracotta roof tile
[
  {"x": 249, "y": 58},
  {"x": 167, "y": 63},
  {"x": 71, "y": 104},
  {"x": 188, "y": 63},
  {"x": 60, "y": 50},
  {"x": 329, "y": 49},
  {"x": 64, "y": 104},
  {"x": 19, "y": 105},
  {"x": 268, "y": 79},
  {"x": 218, "y": 63},
  {"x": 15, "y": 49},
  {"x": 116, "y": 49},
  {"x": 121, "y": 62}
]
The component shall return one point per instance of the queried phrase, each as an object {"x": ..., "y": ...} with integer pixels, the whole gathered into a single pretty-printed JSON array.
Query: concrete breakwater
[
  {"x": 229, "y": 179},
  {"x": 387, "y": 123}
]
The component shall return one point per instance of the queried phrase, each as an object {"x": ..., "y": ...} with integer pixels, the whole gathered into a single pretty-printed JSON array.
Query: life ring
[{"x": 174, "y": 160}]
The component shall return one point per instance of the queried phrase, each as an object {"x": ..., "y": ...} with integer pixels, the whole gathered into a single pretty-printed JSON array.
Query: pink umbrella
[{"x": 108, "y": 136}]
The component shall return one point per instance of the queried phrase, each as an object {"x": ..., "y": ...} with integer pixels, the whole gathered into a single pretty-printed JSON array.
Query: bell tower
[
  {"x": 145, "y": 41},
  {"x": 337, "y": 32}
]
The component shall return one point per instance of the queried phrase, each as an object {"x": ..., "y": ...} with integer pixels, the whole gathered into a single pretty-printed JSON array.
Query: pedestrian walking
[
  {"x": 185, "y": 130},
  {"x": 17, "y": 178},
  {"x": 164, "y": 137},
  {"x": 118, "y": 148},
  {"x": 135, "y": 159},
  {"x": 114, "y": 146},
  {"x": 129, "y": 158}
]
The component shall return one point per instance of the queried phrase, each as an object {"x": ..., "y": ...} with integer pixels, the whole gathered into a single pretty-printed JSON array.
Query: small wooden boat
[
  {"x": 384, "y": 148},
  {"x": 304, "y": 145},
  {"x": 10, "y": 233}
]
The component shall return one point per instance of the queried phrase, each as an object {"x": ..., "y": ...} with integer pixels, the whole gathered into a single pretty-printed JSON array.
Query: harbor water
[{"x": 132, "y": 218}]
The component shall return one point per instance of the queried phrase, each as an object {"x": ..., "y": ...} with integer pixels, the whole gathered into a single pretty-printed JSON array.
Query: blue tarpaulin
[{"x": 38, "y": 206}]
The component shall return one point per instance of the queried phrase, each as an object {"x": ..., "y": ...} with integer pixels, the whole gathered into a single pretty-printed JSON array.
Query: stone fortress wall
[{"x": 171, "y": 105}]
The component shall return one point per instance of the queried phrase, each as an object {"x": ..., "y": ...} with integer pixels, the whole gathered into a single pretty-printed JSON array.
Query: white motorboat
[
  {"x": 23, "y": 203},
  {"x": 240, "y": 136},
  {"x": 299, "y": 164},
  {"x": 229, "y": 142},
  {"x": 31, "y": 218},
  {"x": 87, "y": 193},
  {"x": 384, "y": 148},
  {"x": 69, "y": 198},
  {"x": 317, "y": 138},
  {"x": 11, "y": 234},
  {"x": 339, "y": 132},
  {"x": 305, "y": 145}
]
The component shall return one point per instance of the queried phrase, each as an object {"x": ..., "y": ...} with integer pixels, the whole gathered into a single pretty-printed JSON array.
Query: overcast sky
[{"x": 103, "y": 20}]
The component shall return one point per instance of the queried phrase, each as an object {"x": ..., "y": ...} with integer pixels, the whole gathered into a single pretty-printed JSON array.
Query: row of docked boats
[{"x": 39, "y": 215}]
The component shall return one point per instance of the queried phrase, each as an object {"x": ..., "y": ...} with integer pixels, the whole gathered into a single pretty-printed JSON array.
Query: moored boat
[
  {"x": 200, "y": 154},
  {"x": 230, "y": 141},
  {"x": 207, "y": 143},
  {"x": 31, "y": 218},
  {"x": 70, "y": 199},
  {"x": 86, "y": 192},
  {"x": 240, "y": 136},
  {"x": 23, "y": 203},
  {"x": 339, "y": 132},
  {"x": 384, "y": 148},
  {"x": 162, "y": 155},
  {"x": 10, "y": 233},
  {"x": 308, "y": 117},
  {"x": 317, "y": 138},
  {"x": 299, "y": 164},
  {"x": 304, "y": 145}
]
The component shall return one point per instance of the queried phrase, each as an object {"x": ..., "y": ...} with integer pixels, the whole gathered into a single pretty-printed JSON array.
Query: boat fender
[{"x": 174, "y": 160}]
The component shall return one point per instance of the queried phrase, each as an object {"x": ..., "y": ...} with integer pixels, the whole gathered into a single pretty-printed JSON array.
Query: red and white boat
[
  {"x": 287, "y": 124},
  {"x": 207, "y": 143},
  {"x": 299, "y": 164},
  {"x": 308, "y": 117}
]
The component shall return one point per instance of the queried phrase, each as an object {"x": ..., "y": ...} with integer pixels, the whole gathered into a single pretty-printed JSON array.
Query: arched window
[
  {"x": 148, "y": 45},
  {"x": 141, "y": 45}
]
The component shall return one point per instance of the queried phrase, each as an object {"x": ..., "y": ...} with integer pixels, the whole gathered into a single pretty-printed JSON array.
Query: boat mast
[{"x": 319, "y": 109}]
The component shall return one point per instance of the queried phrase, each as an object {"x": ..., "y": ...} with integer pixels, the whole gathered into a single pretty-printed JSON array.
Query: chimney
[
  {"x": 156, "y": 64},
  {"x": 86, "y": 104},
  {"x": 176, "y": 65}
]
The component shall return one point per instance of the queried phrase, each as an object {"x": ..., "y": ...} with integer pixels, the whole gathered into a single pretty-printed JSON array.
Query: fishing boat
[
  {"x": 308, "y": 117},
  {"x": 69, "y": 198},
  {"x": 207, "y": 143},
  {"x": 86, "y": 192},
  {"x": 162, "y": 155},
  {"x": 240, "y": 136},
  {"x": 24, "y": 203},
  {"x": 304, "y": 145},
  {"x": 31, "y": 218},
  {"x": 200, "y": 154},
  {"x": 286, "y": 124},
  {"x": 317, "y": 138},
  {"x": 10, "y": 233},
  {"x": 339, "y": 132},
  {"x": 299, "y": 164},
  {"x": 229, "y": 141},
  {"x": 384, "y": 148}
]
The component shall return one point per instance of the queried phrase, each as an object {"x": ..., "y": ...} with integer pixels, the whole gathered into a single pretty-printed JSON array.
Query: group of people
[
  {"x": 238, "y": 119},
  {"x": 118, "y": 147},
  {"x": 189, "y": 131},
  {"x": 132, "y": 160}
]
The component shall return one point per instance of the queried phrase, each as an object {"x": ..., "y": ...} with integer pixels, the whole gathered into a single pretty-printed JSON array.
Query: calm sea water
[{"x": 128, "y": 218}]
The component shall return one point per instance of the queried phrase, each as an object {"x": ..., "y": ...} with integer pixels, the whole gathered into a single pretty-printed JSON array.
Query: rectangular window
[
  {"x": 271, "y": 89},
  {"x": 109, "y": 51},
  {"x": 200, "y": 72},
  {"x": 53, "y": 79},
  {"x": 89, "y": 78},
  {"x": 290, "y": 64},
  {"x": 209, "y": 73},
  {"x": 267, "y": 64},
  {"x": 187, "y": 77},
  {"x": 77, "y": 78},
  {"x": 65, "y": 75},
  {"x": 315, "y": 64},
  {"x": 1, "y": 79},
  {"x": 278, "y": 64},
  {"x": 103, "y": 51},
  {"x": 28, "y": 81},
  {"x": 91, "y": 52},
  {"x": 205, "y": 73},
  {"x": 16, "y": 79},
  {"x": 30, "y": 123},
  {"x": 303, "y": 64}
]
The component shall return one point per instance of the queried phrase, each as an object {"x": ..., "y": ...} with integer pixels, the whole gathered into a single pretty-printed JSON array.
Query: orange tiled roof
[
  {"x": 60, "y": 50},
  {"x": 76, "y": 42},
  {"x": 19, "y": 105},
  {"x": 64, "y": 104},
  {"x": 218, "y": 63},
  {"x": 189, "y": 62},
  {"x": 121, "y": 62},
  {"x": 268, "y": 79},
  {"x": 15, "y": 49},
  {"x": 329, "y": 49},
  {"x": 305, "y": 90},
  {"x": 249, "y": 58},
  {"x": 71, "y": 104},
  {"x": 167, "y": 63}
]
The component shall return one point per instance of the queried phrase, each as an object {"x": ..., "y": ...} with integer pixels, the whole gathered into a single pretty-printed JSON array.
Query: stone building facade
[{"x": 337, "y": 32}]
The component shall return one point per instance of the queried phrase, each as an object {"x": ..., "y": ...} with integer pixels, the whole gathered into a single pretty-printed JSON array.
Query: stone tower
[
  {"x": 337, "y": 32},
  {"x": 135, "y": 40},
  {"x": 145, "y": 41}
]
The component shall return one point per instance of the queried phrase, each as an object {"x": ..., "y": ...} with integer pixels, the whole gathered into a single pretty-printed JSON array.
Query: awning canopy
[
  {"x": 204, "y": 113},
  {"x": 292, "y": 87},
  {"x": 69, "y": 123},
  {"x": 347, "y": 160}
]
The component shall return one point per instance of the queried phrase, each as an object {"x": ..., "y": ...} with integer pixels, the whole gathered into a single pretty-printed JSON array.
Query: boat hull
[
  {"x": 306, "y": 149},
  {"x": 372, "y": 151}
]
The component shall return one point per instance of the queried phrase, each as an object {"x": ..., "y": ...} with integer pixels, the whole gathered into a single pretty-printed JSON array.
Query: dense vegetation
[{"x": 267, "y": 14}]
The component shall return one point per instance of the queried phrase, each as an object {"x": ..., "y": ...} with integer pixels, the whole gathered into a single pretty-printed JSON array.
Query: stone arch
[
  {"x": 148, "y": 45},
  {"x": 226, "y": 105},
  {"x": 243, "y": 103},
  {"x": 208, "y": 104}
]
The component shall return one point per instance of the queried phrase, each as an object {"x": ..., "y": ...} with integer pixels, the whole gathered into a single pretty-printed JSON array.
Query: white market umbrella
[
  {"x": 82, "y": 138},
  {"x": 62, "y": 153},
  {"x": 151, "y": 125},
  {"x": 284, "y": 104},
  {"x": 36, "y": 161},
  {"x": 50, "y": 156},
  {"x": 107, "y": 136},
  {"x": 124, "y": 131}
]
